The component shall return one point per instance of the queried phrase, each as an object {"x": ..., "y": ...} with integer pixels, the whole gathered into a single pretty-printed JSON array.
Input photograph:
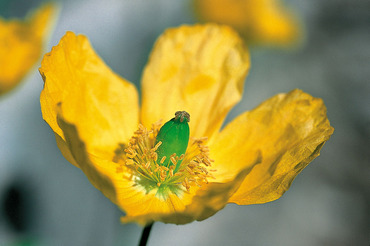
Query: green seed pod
[{"x": 174, "y": 138}]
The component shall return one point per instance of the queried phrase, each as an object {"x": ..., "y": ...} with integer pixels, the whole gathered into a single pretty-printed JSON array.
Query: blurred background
[{"x": 44, "y": 200}]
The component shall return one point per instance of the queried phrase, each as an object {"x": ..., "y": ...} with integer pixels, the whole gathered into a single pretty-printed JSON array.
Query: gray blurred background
[{"x": 53, "y": 203}]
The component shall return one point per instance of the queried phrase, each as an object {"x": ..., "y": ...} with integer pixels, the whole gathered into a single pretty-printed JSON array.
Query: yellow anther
[
  {"x": 129, "y": 155},
  {"x": 154, "y": 155},
  {"x": 157, "y": 146},
  {"x": 173, "y": 160},
  {"x": 157, "y": 168},
  {"x": 190, "y": 171},
  {"x": 163, "y": 159}
]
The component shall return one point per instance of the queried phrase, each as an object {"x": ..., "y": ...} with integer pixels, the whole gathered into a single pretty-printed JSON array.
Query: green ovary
[{"x": 173, "y": 138}]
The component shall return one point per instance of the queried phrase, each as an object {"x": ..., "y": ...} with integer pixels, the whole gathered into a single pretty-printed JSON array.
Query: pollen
[{"x": 151, "y": 173}]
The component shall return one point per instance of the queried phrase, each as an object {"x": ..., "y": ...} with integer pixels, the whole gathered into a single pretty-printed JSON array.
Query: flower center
[{"x": 160, "y": 160}]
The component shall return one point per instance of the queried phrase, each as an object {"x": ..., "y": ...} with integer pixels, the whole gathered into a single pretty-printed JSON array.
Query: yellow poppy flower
[
  {"x": 265, "y": 22},
  {"x": 100, "y": 127},
  {"x": 21, "y": 44}
]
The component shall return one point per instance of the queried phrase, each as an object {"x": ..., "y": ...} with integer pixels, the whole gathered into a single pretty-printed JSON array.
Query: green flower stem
[{"x": 145, "y": 234}]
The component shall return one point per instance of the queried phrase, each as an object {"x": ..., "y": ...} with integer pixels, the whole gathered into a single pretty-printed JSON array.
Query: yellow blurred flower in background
[
  {"x": 262, "y": 22},
  {"x": 21, "y": 45},
  {"x": 101, "y": 129}
]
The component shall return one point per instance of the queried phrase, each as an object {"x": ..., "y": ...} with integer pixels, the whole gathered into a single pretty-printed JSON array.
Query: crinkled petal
[
  {"x": 258, "y": 21},
  {"x": 289, "y": 130},
  {"x": 205, "y": 202},
  {"x": 102, "y": 105},
  {"x": 199, "y": 69},
  {"x": 21, "y": 45}
]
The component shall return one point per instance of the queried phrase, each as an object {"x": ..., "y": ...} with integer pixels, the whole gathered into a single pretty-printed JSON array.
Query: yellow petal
[
  {"x": 102, "y": 105},
  {"x": 21, "y": 44},
  {"x": 258, "y": 21},
  {"x": 289, "y": 130},
  {"x": 199, "y": 69}
]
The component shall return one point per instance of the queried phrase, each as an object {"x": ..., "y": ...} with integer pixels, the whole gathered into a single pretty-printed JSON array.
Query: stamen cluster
[{"x": 151, "y": 173}]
